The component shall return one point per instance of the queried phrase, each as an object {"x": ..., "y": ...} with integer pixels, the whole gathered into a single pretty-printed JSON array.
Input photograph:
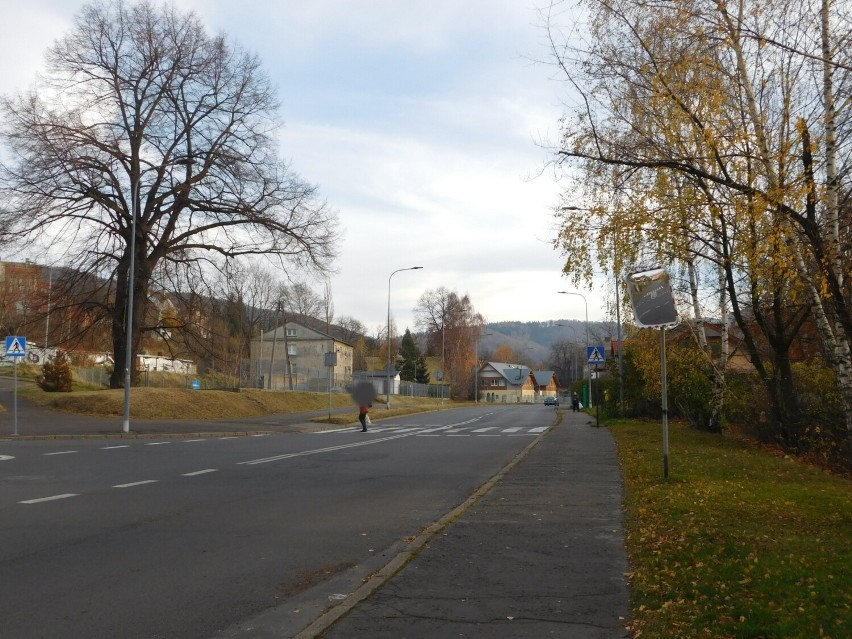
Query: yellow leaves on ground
[{"x": 737, "y": 543}]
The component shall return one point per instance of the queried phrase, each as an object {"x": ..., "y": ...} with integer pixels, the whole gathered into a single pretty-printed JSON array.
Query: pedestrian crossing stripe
[
  {"x": 596, "y": 355},
  {"x": 16, "y": 346}
]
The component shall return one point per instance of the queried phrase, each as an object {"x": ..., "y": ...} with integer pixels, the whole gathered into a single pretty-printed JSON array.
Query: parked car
[{"x": 551, "y": 401}]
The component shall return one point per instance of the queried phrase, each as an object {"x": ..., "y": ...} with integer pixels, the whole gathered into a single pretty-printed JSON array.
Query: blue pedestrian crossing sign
[
  {"x": 596, "y": 354},
  {"x": 16, "y": 346}
]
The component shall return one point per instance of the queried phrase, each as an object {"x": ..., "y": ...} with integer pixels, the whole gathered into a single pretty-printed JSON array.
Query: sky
[{"x": 424, "y": 123}]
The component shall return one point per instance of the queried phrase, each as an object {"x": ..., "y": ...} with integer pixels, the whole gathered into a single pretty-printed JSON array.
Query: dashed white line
[
  {"x": 157, "y": 443},
  {"x": 136, "y": 483},
  {"x": 114, "y": 447},
  {"x": 6, "y": 457},
  {"x": 52, "y": 498},
  {"x": 201, "y": 472},
  {"x": 189, "y": 441},
  {"x": 62, "y": 452}
]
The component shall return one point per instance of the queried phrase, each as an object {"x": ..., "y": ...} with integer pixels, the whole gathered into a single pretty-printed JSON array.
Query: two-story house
[
  {"x": 297, "y": 356},
  {"x": 513, "y": 383}
]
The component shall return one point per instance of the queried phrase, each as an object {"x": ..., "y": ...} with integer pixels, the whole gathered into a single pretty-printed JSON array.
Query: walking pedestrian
[{"x": 363, "y": 411}]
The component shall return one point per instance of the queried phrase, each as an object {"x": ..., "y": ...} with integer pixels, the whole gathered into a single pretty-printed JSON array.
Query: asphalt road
[{"x": 190, "y": 537}]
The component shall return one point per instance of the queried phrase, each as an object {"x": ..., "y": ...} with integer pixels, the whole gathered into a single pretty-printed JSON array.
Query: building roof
[{"x": 542, "y": 378}]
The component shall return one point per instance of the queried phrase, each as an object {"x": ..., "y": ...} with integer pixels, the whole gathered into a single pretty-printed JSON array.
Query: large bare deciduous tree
[{"x": 145, "y": 121}]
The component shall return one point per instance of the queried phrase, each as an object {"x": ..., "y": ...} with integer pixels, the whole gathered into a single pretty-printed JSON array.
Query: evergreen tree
[
  {"x": 413, "y": 367},
  {"x": 56, "y": 375}
]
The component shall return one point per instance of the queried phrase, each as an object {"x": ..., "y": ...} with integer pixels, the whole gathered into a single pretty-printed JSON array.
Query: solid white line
[
  {"x": 63, "y": 452},
  {"x": 136, "y": 483},
  {"x": 114, "y": 447},
  {"x": 316, "y": 451},
  {"x": 55, "y": 497},
  {"x": 201, "y": 472}
]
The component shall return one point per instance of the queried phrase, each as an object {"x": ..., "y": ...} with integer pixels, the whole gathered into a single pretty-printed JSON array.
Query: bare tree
[
  {"x": 453, "y": 327},
  {"x": 145, "y": 123},
  {"x": 298, "y": 298}
]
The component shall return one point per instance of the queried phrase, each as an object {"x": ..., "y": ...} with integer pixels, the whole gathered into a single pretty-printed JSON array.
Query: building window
[
  {"x": 292, "y": 350},
  {"x": 291, "y": 332}
]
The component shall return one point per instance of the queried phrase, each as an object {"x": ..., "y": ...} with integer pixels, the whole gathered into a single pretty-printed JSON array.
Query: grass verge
[
  {"x": 736, "y": 543},
  {"x": 175, "y": 403}
]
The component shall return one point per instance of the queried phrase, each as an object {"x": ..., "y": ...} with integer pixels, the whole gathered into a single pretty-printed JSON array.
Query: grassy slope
[
  {"x": 737, "y": 542},
  {"x": 165, "y": 403}
]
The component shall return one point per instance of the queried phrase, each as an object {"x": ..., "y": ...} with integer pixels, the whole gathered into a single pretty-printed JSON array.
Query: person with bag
[{"x": 363, "y": 416}]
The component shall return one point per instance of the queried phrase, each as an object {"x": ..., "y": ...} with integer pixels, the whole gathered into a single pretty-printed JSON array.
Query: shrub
[{"x": 56, "y": 375}]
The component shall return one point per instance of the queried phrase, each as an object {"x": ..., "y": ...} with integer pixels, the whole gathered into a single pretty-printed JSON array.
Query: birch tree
[{"x": 747, "y": 102}]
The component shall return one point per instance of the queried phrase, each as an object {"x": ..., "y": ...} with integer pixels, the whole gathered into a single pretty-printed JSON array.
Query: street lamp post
[
  {"x": 388, "y": 389},
  {"x": 589, "y": 366}
]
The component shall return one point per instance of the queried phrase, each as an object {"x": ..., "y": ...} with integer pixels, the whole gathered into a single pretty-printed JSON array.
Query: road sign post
[
  {"x": 595, "y": 355},
  {"x": 16, "y": 348}
]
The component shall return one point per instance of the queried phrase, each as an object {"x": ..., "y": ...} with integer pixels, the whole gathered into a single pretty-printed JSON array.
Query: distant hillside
[{"x": 534, "y": 339}]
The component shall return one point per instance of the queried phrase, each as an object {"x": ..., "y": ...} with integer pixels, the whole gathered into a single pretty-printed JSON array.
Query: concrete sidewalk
[{"x": 541, "y": 554}]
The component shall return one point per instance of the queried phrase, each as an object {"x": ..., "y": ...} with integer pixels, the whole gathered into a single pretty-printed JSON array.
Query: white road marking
[
  {"x": 136, "y": 483},
  {"x": 539, "y": 430},
  {"x": 53, "y": 498},
  {"x": 514, "y": 429},
  {"x": 305, "y": 453},
  {"x": 62, "y": 452},
  {"x": 189, "y": 441},
  {"x": 6, "y": 457},
  {"x": 114, "y": 447},
  {"x": 201, "y": 472},
  {"x": 229, "y": 437},
  {"x": 484, "y": 430},
  {"x": 157, "y": 443}
]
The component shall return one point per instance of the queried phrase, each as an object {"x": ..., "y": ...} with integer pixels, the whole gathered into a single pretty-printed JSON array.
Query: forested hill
[{"x": 541, "y": 335}]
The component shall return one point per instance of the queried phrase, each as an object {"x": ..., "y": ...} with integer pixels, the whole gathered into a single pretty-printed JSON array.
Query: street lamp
[
  {"x": 410, "y": 268},
  {"x": 476, "y": 370},
  {"x": 589, "y": 366}
]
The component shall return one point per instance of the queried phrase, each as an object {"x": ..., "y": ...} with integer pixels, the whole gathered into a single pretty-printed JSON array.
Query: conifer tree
[{"x": 413, "y": 367}]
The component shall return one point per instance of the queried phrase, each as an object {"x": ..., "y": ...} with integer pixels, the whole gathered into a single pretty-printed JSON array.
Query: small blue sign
[
  {"x": 196, "y": 385},
  {"x": 596, "y": 354},
  {"x": 16, "y": 346}
]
